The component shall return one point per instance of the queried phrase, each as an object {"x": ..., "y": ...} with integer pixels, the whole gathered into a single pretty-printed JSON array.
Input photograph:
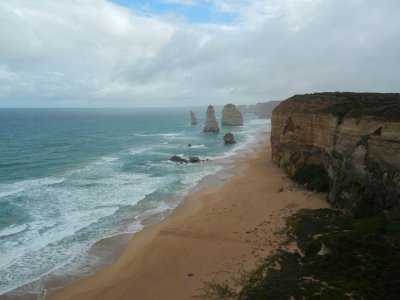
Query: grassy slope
[{"x": 361, "y": 261}]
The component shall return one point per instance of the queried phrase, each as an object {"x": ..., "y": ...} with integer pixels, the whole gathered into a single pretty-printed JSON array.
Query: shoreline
[
  {"x": 214, "y": 232},
  {"x": 106, "y": 250}
]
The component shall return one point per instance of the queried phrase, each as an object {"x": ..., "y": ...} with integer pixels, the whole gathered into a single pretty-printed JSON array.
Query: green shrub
[
  {"x": 313, "y": 177},
  {"x": 363, "y": 261}
]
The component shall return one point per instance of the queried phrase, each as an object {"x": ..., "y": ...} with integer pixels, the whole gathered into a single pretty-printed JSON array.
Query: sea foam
[{"x": 104, "y": 184}]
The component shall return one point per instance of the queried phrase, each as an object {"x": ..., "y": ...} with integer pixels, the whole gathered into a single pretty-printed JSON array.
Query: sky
[{"x": 122, "y": 53}]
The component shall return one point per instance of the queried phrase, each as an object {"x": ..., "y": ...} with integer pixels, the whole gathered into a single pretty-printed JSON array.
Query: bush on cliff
[
  {"x": 313, "y": 176},
  {"x": 356, "y": 105},
  {"x": 361, "y": 259}
]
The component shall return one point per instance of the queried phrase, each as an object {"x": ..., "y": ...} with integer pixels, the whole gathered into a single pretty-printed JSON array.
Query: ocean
[{"x": 70, "y": 178}]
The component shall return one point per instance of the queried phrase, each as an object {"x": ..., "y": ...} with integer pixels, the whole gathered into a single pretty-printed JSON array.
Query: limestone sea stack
[
  {"x": 211, "y": 122},
  {"x": 231, "y": 116},
  {"x": 193, "y": 118}
]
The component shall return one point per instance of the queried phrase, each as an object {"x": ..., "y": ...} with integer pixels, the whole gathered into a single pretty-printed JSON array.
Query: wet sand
[{"x": 213, "y": 234}]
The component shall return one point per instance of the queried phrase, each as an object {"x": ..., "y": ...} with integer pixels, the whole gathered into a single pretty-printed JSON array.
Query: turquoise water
[{"x": 70, "y": 177}]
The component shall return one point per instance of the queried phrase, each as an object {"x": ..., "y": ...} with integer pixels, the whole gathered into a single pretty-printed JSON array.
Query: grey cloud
[{"x": 111, "y": 57}]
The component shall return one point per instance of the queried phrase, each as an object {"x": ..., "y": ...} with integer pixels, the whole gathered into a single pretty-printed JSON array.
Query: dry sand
[{"x": 213, "y": 234}]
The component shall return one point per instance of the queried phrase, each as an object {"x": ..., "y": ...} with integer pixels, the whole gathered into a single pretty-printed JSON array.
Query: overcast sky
[{"x": 98, "y": 53}]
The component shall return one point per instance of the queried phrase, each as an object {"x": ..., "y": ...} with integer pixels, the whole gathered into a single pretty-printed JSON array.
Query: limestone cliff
[
  {"x": 211, "y": 122},
  {"x": 193, "y": 118},
  {"x": 264, "y": 109},
  {"x": 231, "y": 116},
  {"x": 355, "y": 137}
]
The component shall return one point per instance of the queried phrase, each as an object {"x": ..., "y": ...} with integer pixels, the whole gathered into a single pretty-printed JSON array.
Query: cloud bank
[{"x": 94, "y": 53}]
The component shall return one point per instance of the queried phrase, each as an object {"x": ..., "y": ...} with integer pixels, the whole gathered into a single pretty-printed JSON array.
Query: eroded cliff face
[{"x": 355, "y": 137}]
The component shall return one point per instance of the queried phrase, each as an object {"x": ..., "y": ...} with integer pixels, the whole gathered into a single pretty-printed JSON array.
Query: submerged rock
[
  {"x": 193, "y": 118},
  {"x": 229, "y": 139},
  {"x": 231, "y": 116},
  {"x": 211, "y": 122},
  {"x": 176, "y": 158}
]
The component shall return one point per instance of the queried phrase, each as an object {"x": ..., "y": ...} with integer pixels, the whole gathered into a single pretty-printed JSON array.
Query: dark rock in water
[
  {"x": 193, "y": 118},
  {"x": 194, "y": 159},
  {"x": 178, "y": 159},
  {"x": 211, "y": 122},
  {"x": 189, "y": 145},
  {"x": 229, "y": 139}
]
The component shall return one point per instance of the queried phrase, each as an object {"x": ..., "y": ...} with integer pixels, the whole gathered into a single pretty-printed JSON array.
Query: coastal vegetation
[
  {"x": 358, "y": 105},
  {"x": 338, "y": 256},
  {"x": 312, "y": 176},
  {"x": 385, "y": 107}
]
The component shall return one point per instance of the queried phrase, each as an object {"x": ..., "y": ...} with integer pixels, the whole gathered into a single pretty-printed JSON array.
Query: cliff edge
[{"x": 347, "y": 144}]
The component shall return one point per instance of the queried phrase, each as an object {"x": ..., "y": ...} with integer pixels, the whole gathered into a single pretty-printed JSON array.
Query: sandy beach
[{"x": 213, "y": 234}]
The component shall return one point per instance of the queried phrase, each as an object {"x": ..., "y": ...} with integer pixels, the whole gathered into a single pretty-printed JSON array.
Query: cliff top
[{"x": 383, "y": 106}]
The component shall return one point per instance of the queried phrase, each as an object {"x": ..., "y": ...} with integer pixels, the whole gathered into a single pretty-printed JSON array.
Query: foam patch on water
[
  {"x": 67, "y": 216},
  {"x": 168, "y": 135},
  {"x": 139, "y": 150},
  {"x": 106, "y": 159},
  {"x": 190, "y": 179},
  {"x": 71, "y": 212},
  {"x": 10, "y": 189},
  {"x": 201, "y": 146},
  {"x": 9, "y": 193},
  {"x": 13, "y": 229}
]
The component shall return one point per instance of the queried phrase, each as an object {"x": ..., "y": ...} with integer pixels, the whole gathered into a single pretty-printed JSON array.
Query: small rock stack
[{"x": 193, "y": 118}]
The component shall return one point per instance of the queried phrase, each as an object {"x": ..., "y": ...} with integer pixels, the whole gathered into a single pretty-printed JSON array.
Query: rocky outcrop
[
  {"x": 194, "y": 159},
  {"x": 229, "y": 138},
  {"x": 211, "y": 122},
  {"x": 193, "y": 118},
  {"x": 354, "y": 138},
  {"x": 178, "y": 159},
  {"x": 231, "y": 116}
]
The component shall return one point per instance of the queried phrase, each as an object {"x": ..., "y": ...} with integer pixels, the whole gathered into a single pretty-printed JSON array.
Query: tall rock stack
[
  {"x": 231, "y": 116},
  {"x": 193, "y": 118},
  {"x": 211, "y": 122}
]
